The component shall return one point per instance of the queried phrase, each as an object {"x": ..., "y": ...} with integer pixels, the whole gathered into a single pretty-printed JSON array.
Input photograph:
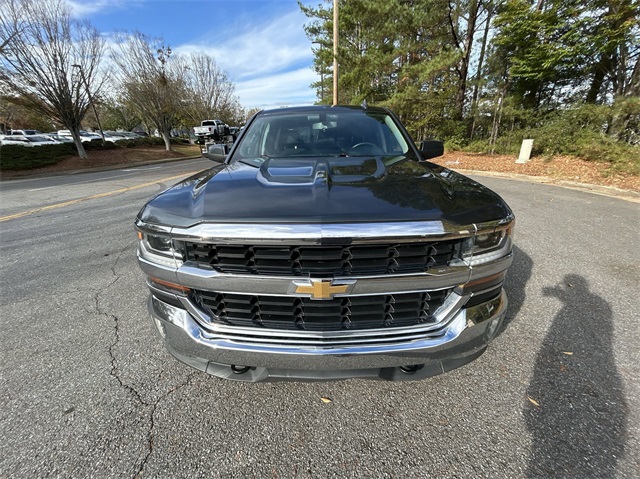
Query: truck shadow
[
  {"x": 576, "y": 411},
  {"x": 515, "y": 284}
]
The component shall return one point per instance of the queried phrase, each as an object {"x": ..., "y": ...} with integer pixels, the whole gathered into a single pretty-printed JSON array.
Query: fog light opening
[
  {"x": 239, "y": 369},
  {"x": 411, "y": 369}
]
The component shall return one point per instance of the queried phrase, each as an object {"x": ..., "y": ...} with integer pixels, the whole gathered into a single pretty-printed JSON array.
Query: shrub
[
  {"x": 97, "y": 145},
  {"x": 17, "y": 157},
  {"x": 575, "y": 132}
]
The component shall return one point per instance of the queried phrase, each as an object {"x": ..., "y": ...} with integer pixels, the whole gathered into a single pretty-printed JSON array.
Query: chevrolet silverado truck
[{"x": 324, "y": 245}]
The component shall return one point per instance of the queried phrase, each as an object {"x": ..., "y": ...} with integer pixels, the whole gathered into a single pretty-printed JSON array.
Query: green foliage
[
  {"x": 578, "y": 131},
  {"x": 143, "y": 141},
  {"x": 97, "y": 145},
  {"x": 17, "y": 157},
  {"x": 565, "y": 72}
]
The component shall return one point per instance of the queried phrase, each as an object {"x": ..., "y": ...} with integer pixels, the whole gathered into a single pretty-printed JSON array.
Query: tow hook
[
  {"x": 411, "y": 369},
  {"x": 239, "y": 369}
]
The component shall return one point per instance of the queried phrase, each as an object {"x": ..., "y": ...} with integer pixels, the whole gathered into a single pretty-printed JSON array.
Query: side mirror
[
  {"x": 217, "y": 152},
  {"x": 431, "y": 149}
]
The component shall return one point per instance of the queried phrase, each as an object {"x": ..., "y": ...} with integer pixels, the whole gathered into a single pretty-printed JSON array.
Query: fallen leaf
[
  {"x": 568, "y": 353},
  {"x": 563, "y": 368},
  {"x": 533, "y": 401},
  {"x": 325, "y": 400}
]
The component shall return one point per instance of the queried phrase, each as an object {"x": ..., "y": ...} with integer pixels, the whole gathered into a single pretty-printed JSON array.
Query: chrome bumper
[{"x": 418, "y": 355}]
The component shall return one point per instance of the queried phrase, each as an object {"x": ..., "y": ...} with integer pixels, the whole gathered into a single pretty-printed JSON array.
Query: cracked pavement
[{"x": 87, "y": 389}]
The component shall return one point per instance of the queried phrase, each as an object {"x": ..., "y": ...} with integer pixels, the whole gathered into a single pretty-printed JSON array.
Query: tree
[
  {"x": 152, "y": 80},
  {"x": 397, "y": 53},
  {"x": 42, "y": 45},
  {"x": 117, "y": 114},
  {"x": 209, "y": 91}
]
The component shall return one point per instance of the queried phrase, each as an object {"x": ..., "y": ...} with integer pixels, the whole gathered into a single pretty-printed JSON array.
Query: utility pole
[
  {"x": 335, "y": 52},
  {"x": 86, "y": 86}
]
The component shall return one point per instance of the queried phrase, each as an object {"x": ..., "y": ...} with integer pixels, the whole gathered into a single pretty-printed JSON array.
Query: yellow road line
[{"x": 92, "y": 197}]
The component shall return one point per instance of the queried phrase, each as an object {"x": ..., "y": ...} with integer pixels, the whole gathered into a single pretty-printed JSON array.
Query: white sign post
[{"x": 525, "y": 151}]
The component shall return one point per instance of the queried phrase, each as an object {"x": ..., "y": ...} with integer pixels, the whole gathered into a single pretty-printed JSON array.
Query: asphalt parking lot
[{"x": 89, "y": 391}]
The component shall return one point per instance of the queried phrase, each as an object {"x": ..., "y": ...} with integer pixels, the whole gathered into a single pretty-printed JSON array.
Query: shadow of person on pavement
[{"x": 576, "y": 409}]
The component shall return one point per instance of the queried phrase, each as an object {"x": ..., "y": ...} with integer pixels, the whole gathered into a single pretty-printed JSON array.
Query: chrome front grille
[
  {"x": 289, "y": 313},
  {"x": 324, "y": 260}
]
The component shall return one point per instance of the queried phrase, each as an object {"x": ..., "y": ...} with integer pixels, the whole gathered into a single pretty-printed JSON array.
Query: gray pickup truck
[{"x": 324, "y": 245}]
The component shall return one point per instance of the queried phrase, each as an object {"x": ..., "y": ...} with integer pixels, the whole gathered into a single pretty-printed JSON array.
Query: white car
[
  {"x": 84, "y": 135},
  {"x": 14, "y": 140},
  {"x": 59, "y": 138},
  {"x": 113, "y": 136},
  {"x": 26, "y": 132},
  {"x": 39, "y": 140}
]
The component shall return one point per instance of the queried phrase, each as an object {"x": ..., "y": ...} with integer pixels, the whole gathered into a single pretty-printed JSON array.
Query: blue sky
[{"x": 261, "y": 44}]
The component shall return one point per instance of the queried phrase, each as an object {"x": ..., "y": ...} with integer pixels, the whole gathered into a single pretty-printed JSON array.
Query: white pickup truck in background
[{"x": 208, "y": 130}]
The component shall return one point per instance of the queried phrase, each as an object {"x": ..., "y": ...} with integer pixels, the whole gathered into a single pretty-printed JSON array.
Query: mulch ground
[{"x": 559, "y": 168}]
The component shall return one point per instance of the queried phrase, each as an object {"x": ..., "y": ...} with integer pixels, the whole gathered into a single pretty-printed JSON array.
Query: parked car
[
  {"x": 14, "y": 140},
  {"x": 85, "y": 136},
  {"x": 113, "y": 136},
  {"x": 59, "y": 138},
  {"x": 26, "y": 132},
  {"x": 29, "y": 140},
  {"x": 325, "y": 245},
  {"x": 39, "y": 140}
]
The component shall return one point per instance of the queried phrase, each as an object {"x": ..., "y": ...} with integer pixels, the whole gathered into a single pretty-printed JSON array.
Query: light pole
[{"x": 86, "y": 86}]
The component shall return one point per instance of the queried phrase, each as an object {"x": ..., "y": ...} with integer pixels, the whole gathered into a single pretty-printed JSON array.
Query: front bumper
[{"x": 419, "y": 355}]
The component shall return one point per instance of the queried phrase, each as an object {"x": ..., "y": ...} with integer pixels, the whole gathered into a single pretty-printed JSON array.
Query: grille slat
[
  {"x": 371, "y": 259},
  {"x": 292, "y": 313}
]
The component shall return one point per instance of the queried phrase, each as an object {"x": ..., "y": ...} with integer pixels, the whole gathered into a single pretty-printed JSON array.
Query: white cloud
[
  {"x": 267, "y": 55},
  {"x": 259, "y": 49},
  {"x": 270, "y": 62},
  {"x": 84, "y": 8},
  {"x": 283, "y": 89}
]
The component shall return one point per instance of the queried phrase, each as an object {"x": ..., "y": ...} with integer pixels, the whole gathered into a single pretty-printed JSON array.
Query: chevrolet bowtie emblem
[{"x": 321, "y": 289}]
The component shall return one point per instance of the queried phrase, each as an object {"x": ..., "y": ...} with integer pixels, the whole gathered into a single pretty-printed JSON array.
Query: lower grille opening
[{"x": 296, "y": 313}]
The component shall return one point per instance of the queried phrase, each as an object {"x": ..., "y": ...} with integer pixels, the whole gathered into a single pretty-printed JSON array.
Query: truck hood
[{"x": 325, "y": 190}]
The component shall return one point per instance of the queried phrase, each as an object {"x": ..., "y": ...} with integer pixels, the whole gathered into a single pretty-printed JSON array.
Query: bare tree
[
  {"x": 41, "y": 44},
  {"x": 210, "y": 94},
  {"x": 153, "y": 81}
]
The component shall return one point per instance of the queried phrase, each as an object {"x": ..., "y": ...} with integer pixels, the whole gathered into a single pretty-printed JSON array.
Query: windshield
[{"x": 323, "y": 134}]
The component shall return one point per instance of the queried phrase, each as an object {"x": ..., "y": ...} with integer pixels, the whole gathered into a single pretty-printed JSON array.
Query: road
[{"x": 88, "y": 390}]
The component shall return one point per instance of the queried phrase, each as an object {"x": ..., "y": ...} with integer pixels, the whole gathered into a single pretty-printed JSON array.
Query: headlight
[
  {"x": 159, "y": 249},
  {"x": 488, "y": 245}
]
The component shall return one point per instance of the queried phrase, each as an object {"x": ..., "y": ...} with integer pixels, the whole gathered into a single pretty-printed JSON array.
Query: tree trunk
[
  {"x": 476, "y": 87},
  {"x": 464, "y": 61},
  {"x": 633, "y": 85},
  {"x": 75, "y": 134},
  {"x": 619, "y": 123},
  {"x": 600, "y": 70},
  {"x": 166, "y": 136},
  {"x": 497, "y": 118}
]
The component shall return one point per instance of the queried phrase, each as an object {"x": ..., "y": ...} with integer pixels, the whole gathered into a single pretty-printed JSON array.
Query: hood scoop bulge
[{"x": 314, "y": 171}]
